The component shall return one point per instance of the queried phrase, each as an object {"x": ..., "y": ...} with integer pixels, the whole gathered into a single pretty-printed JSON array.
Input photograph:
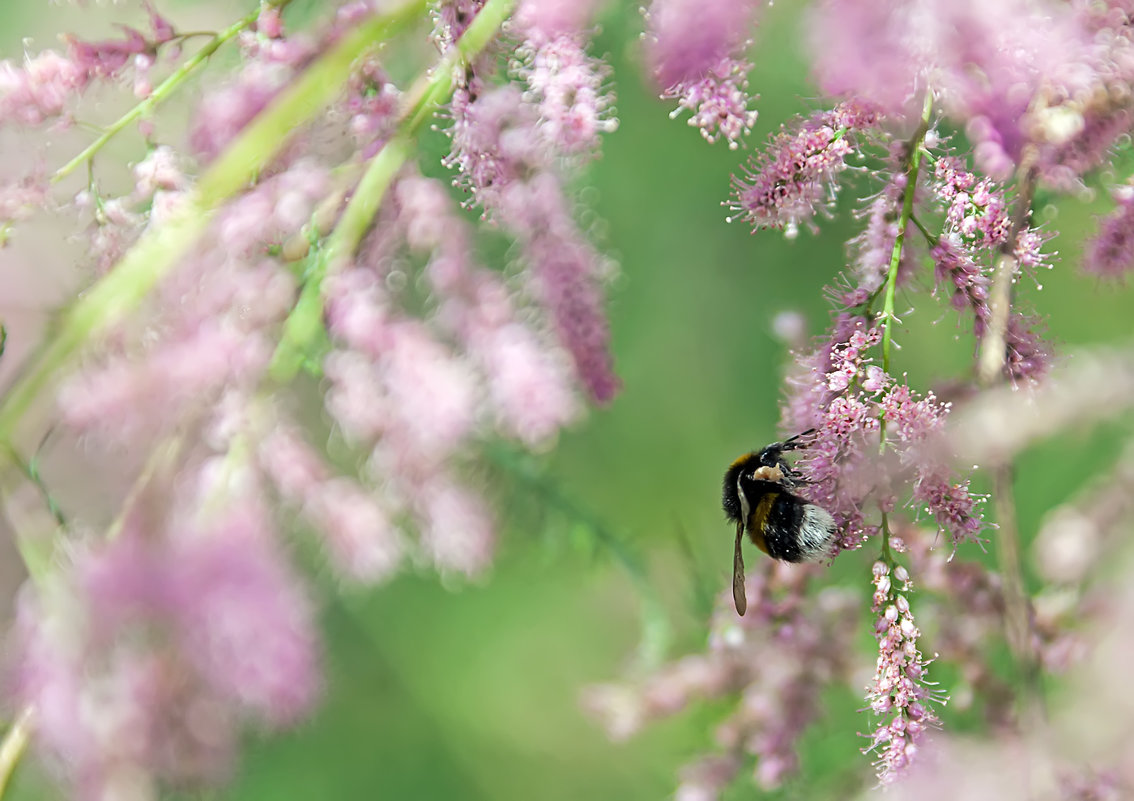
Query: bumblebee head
[{"x": 767, "y": 464}]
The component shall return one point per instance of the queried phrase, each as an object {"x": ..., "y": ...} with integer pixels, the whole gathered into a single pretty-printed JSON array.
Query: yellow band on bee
[{"x": 759, "y": 517}]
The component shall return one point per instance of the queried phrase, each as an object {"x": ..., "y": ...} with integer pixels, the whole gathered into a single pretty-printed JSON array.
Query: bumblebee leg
[{"x": 738, "y": 573}]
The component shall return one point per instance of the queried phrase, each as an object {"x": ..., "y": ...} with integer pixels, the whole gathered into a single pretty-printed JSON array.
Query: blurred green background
[{"x": 472, "y": 691}]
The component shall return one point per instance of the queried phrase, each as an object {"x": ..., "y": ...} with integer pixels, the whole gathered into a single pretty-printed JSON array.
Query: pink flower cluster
[
  {"x": 1009, "y": 72},
  {"x": 569, "y": 89},
  {"x": 795, "y": 177},
  {"x": 145, "y": 656},
  {"x": 696, "y": 53},
  {"x": 212, "y": 323},
  {"x": 414, "y": 394},
  {"x": 40, "y": 90},
  {"x": 788, "y": 646},
  {"x": 44, "y": 87},
  {"x": 504, "y": 153},
  {"x": 717, "y": 103},
  {"x": 961, "y": 604},
  {"x": 271, "y": 59},
  {"x": 1110, "y": 254},
  {"x": 900, "y": 692},
  {"x": 849, "y": 400},
  {"x": 976, "y": 231}
]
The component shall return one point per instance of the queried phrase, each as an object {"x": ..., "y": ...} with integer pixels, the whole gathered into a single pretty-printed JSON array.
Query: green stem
[
  {"x": 14, "y": 744},
  {"x": 30, "y": 469},
  {"x": 929, "y": 237},
  {"x": 304, "y": 325},
  {"x": 163, "y": 90},
  {"x": 155, "y": 253},
  {"x": 912, "y": 172}
]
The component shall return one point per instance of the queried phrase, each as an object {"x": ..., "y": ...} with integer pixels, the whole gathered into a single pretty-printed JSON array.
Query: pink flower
[
  {"x": 504, "y": 158},
  {"x": 354, "y": 525},
  {"x": 451, "y": 18},
  {"x": 552, "y": 18},
  {"x": 372, "y": 104},
  {"x": 993, "y": 60},
  {"x": 1110, "y": 254},
  {"x": 717, "y": 102},
  {"x": 795, "y": 178},
  {"x": 224, "y": 112},
  {"x": 861, "y": 50},
  {"x": 986, "y": 64},
  {"x": 40, "y": 90},
  {"x": 687, "y": 39},
  {"x": 528, "y": 385},
  {"x": 457, "y": 529},
  {"x": 565, "y": 276},
  {"x": 899, "y": 693},
  {"x": 147, "y": 653},
  {"x": 567, "y": 87},
  {"x": 363, "y": 543},
  {"x": 955, "y": 269},
  {"x": 1028, "y": 356},
  {"x": 244, "y": 620}
]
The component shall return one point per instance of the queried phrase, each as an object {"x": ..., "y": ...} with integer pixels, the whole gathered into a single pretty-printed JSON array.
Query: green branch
[
  {"x": 13, "y": 745},
  {"x": 913, "y": 170},
  {"x": 304, "y": 326},
  {"x": 165, "y": 89}
]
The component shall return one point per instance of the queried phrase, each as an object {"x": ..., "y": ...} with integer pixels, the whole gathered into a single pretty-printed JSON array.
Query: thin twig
[
  {"x": 993, "y": 355},
  {"x": 164, "y": 90}
]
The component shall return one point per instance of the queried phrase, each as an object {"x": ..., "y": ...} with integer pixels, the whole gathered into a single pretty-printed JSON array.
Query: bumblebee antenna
[{"x": 796, "y": 442}]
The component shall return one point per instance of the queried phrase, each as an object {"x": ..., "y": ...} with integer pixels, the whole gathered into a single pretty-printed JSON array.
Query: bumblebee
[{"x": 757, "y": 497}]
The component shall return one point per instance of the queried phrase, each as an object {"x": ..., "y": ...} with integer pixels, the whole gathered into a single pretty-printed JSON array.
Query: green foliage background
[{"x": 472, "y": 691}]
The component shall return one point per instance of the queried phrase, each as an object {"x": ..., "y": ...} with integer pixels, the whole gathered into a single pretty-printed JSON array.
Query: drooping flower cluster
[
  {"x": 789, "y": 644},
  {"x": 506, "y": 146},
  {"x": 977, "y": 230},
  {"x": 696, "y": 53},
  {"x": 796, "y": 176},
  {"x": 412, "y": 394},
  {"x": 900, "y": 693},
  {"x": 145, "y": 656},
  {"x": 1110, "y": 254},
  {"x": 48, "y": 83},
  {"x": 569, "y": 90},
  {"x": 213, "y": 324},
  {"x": 271, "y": 60},
  {"x": 990, "y": 66}
]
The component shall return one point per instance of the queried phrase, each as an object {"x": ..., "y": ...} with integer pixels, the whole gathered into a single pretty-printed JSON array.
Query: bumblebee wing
[{"x": 738, "y": 573}]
